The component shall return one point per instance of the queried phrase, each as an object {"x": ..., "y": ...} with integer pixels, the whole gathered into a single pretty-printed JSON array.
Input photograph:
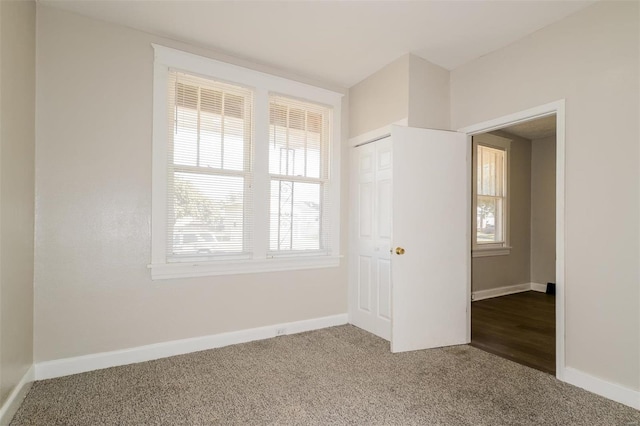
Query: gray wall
[
  {"x": 17, "y": 139},
  {"x": 514, "y": 268},
  {"x": 543, "y": 210},
  {"x": 590, "y": 59},
  {"x": 93, "y": 290}
]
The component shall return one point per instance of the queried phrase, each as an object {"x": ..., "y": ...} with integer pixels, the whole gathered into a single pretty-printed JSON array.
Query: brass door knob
[{"x": 399, "y": 251}]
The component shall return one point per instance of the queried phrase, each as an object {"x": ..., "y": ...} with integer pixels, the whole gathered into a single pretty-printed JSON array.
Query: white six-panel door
[{"x": 370, "y": 242}]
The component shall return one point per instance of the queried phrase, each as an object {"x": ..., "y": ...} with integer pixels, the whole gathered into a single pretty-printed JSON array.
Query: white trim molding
[
  {"x": 542, "y": 288},
  {"x": 601, "y": 387},
  {"x": 376, "y": 134},
  {"x": 81, "y": 364},
  {"x": 186, "y": 270},
  {"x": 510, "y": 289},
  {"x": 13, "y": 402},
  {"x": 491, "y": 251},
  {"x": 499, "y": 291}
]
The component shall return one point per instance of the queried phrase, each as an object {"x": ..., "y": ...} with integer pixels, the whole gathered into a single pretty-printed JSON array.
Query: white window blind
[
  {"x": 209, "y": 168},
  {"x": 299, "y": 142},
  {"x": 491, "y": 195}
]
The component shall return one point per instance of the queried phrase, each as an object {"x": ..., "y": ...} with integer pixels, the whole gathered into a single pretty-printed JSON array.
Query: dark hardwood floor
[{"x": 520, "y": 327}]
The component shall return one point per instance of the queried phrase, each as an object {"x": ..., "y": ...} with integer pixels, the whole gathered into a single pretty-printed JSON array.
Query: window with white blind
[
  {"x": 299, "y": 137},
  {"x": 209, "y": 168},
  {"x": 490, "y": 195},
  {"x": 245, "y": 170}
]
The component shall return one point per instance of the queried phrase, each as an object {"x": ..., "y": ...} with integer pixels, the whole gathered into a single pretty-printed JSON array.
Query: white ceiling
[
  {"x": 338, "y": 42},
  {"x": 534, "y": 129}
]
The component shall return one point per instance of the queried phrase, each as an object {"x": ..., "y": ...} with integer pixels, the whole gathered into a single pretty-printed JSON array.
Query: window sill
[
  {"x": 167, "y": 271},
  {"x": 492, "y": 251}
]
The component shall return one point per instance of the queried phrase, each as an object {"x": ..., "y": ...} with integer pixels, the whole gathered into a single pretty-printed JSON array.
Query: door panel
[
  {"x": 366, "y": 209},
  {"x": 370, "y": 304},
  {"x": 383, "y": 208},
  {"x": 384, "y": 289},
  {"x": 364, "y": 283},
  {"x": 430, "y": 190}
]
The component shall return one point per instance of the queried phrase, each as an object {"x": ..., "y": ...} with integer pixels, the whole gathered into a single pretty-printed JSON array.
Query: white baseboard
[
  {"x": 542, "y": 288},
  {"x": 510, "y": 289},
  {"x": 601, "y": 387},
  {"x": 11, "y": 405},
  {"x": 81, "y": 364},
  {"x": 500, "y": 291}
]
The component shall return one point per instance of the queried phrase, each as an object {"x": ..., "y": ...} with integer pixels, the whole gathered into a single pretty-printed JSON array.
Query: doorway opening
[
  {"x": 518, "y": 237},
  {"x": 513, "y": 251}
]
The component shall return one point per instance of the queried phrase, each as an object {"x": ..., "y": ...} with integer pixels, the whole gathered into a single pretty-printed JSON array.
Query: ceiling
[
  {"x": 534, "y": 129},
  {"x": 337, "y": 42}
]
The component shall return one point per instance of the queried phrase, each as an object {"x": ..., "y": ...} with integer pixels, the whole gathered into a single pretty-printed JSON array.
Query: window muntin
[{"x": 209, "y": 168}]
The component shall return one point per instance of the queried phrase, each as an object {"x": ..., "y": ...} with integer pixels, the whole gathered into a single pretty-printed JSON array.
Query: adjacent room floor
[
  {"x": 520, "y": 327},
  {"x": 338, "y": 375}
]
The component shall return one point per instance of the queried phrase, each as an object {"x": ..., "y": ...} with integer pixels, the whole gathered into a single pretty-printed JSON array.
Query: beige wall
[
  {"x": 93, "y": 184},
  {"x": 408, "y": 88},
  {"x": 380, "y": 99},
  {"x": 428, "y": 94},
  {"x": 514, "y": 268},
  {"x": 543, "y": 210},
  {"x": 591, "y": 60},
  {"x": 17, "y": 138}
]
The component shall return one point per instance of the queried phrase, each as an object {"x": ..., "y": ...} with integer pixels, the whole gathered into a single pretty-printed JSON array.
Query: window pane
[
  {"x": 185, "y": 137},
  {"x": 490, "y": 166},
  {"x": 208, "y": 213},
  {"x": 233, "y": 148},
  {"x": 210, "y": 140},
  {"x": 210, "y": 127},
  {"x": 489, "y": 220},
  {"x": 295, "y": 216},
  {"x": 296, "y": 136}
]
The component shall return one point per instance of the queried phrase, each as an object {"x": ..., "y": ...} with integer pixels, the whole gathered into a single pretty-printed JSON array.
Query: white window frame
[
  {"x": 262, "y": 84},
  {"x": 492, "y": 249}
]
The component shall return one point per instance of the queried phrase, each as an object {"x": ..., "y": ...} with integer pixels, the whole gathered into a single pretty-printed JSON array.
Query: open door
[{"x": 430, "y": 260}]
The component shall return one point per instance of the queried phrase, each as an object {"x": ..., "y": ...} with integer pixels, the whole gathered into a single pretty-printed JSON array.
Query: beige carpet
[{"x": 339, "y": 375}]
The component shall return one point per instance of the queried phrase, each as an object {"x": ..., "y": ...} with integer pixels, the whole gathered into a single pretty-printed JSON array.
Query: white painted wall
[
  {"x": 590, "y": 59},
  {"x": 408, "y": 88},
  {"x": 543, "y": 210},
  {"x": 428, "y": 95},
  {"x": 17, "y": 142},
  {"x": 93, "y": 291},
  {"x": 380, "y": 99}
]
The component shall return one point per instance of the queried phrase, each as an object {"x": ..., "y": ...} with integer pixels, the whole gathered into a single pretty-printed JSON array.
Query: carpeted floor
[{"x": 339, "y": 375}]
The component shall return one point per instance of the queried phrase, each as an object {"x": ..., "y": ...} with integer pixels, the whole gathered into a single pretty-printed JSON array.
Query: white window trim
[
  {"x": 492, "y": 249},
  {"x": 263, "y": 84}
]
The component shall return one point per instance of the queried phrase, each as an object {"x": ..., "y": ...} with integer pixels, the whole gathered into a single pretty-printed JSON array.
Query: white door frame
[{"x": 557, "y": 108}]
